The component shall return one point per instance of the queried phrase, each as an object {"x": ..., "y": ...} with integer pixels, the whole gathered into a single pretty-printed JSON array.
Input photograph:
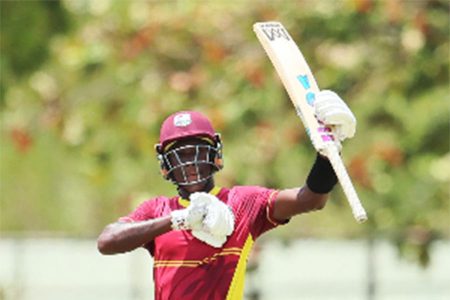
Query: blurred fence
[{"x": 35, "y": 269}]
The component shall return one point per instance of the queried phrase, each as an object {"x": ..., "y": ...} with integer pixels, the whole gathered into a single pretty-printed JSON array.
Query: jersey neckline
[{"x": 185, "y": 203}]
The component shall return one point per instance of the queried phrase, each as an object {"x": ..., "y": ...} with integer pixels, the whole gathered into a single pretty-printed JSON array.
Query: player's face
[{"x": 190, "y": 163}]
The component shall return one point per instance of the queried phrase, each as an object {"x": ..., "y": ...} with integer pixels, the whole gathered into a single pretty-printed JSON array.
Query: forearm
[
  {"x": 322, "y": 178},
  {"x": 124, "y": 237},
  {"x": 307, "y": 200},
  {"x": 291, "y": 202},
  {"x": 312, "y": 196}
]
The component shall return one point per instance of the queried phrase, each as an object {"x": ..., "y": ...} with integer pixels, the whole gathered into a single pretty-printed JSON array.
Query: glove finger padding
[
  {"x": 189, "y": 218},
  {"x": 219, "y": 219},
  {"x": 200, "y": 199},
  {"x": 332, "y": 111},
  {"x": 218, "y": 222},
  {"x": 208, "y": 238},
  {"x": 196, "y": 216}
]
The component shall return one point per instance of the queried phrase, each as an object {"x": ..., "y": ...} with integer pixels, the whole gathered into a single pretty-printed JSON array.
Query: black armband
[{"x": 321, "y": 178}]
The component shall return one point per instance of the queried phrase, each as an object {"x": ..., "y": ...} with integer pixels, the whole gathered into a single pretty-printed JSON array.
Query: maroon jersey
[{"x": 187, "y": 268}]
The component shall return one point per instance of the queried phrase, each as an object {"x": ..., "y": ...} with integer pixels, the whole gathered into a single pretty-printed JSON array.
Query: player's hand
[
  {"x": 216, "y": 241},
  {"x": 218, "y": 222},
  {"x": 190, "y": 218},
  {"x": 331, "y": 110}
]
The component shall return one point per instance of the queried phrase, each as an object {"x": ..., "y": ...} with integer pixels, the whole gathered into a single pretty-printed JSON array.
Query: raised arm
[
  {"x": 312, "y": 196},
  {"x": 332, "y": 111}
]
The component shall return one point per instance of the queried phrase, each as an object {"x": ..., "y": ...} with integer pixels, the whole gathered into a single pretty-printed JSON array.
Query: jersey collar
[{"x": 185, "y": 203}]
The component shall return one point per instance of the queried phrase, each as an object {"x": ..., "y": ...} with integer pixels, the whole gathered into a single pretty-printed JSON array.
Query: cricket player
[{"x": 200, "y": 239}]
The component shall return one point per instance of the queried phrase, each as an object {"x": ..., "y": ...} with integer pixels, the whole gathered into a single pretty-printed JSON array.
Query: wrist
[
  {"x": 321, "y": 178},
  {"x": 178, "y": 219},
  {"x": 189, "y": 218}
]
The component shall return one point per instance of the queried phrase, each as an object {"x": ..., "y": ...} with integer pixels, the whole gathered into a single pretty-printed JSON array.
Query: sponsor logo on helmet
[{"x": 182, "y": 120}]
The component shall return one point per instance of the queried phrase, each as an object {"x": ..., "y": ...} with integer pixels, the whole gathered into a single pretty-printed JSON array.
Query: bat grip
[{"x": 358, "y": 211}]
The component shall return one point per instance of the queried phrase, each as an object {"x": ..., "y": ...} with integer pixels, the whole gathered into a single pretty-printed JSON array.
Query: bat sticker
[
  {"x": 310, "y": 96},
  {"x": 275, "y": 32}
]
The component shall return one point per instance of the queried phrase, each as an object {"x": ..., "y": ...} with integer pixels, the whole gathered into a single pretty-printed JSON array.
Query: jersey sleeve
[
  {"x": 255, "y": 205},
  {"x": 145, "y": 211}
]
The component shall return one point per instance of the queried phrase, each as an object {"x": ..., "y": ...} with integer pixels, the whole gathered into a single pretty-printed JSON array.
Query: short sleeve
[
  {"x": 145, "y": 211},
  {"x": 255, "y": 206}
]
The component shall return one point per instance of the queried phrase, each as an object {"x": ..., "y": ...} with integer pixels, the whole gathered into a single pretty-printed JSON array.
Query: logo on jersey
[{"x": 182, "y": 120}]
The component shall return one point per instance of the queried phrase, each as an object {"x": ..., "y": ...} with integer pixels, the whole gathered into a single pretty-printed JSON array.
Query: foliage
[
  {"x": 86, "y": 84},
  {"x": 26, "y": 28}
]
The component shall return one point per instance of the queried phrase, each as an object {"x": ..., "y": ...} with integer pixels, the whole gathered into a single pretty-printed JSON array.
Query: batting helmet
[
  {"x": 185, "y": 124},
  {"x": 182, "y": 125}
]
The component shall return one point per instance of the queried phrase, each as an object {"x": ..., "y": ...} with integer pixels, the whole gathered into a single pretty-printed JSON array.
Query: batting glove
[
  {"x": 210, "y": 239},
  {"x": 332, "y": 111},
  {"x": 218, "y": 222},
  {"x": 189, "y": 218}
]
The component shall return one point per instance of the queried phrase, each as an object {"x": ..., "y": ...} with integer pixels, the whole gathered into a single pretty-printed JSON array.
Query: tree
[{"x": 84, "y": 101}]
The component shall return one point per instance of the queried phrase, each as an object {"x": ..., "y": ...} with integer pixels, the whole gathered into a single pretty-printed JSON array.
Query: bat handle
[{"x": 358, "y": 211}]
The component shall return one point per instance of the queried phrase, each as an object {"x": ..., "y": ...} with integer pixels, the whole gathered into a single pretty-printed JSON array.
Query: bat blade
[
  {"x": 295, "y": 74},
  {"x": 302, "y": 88}
]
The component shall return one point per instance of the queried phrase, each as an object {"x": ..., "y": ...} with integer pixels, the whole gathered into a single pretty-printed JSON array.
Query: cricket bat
[{"x": 301, "y": 86}]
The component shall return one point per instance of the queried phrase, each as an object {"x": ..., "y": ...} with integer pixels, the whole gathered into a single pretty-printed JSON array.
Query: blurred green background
[{"x": 85, "y": 86}]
